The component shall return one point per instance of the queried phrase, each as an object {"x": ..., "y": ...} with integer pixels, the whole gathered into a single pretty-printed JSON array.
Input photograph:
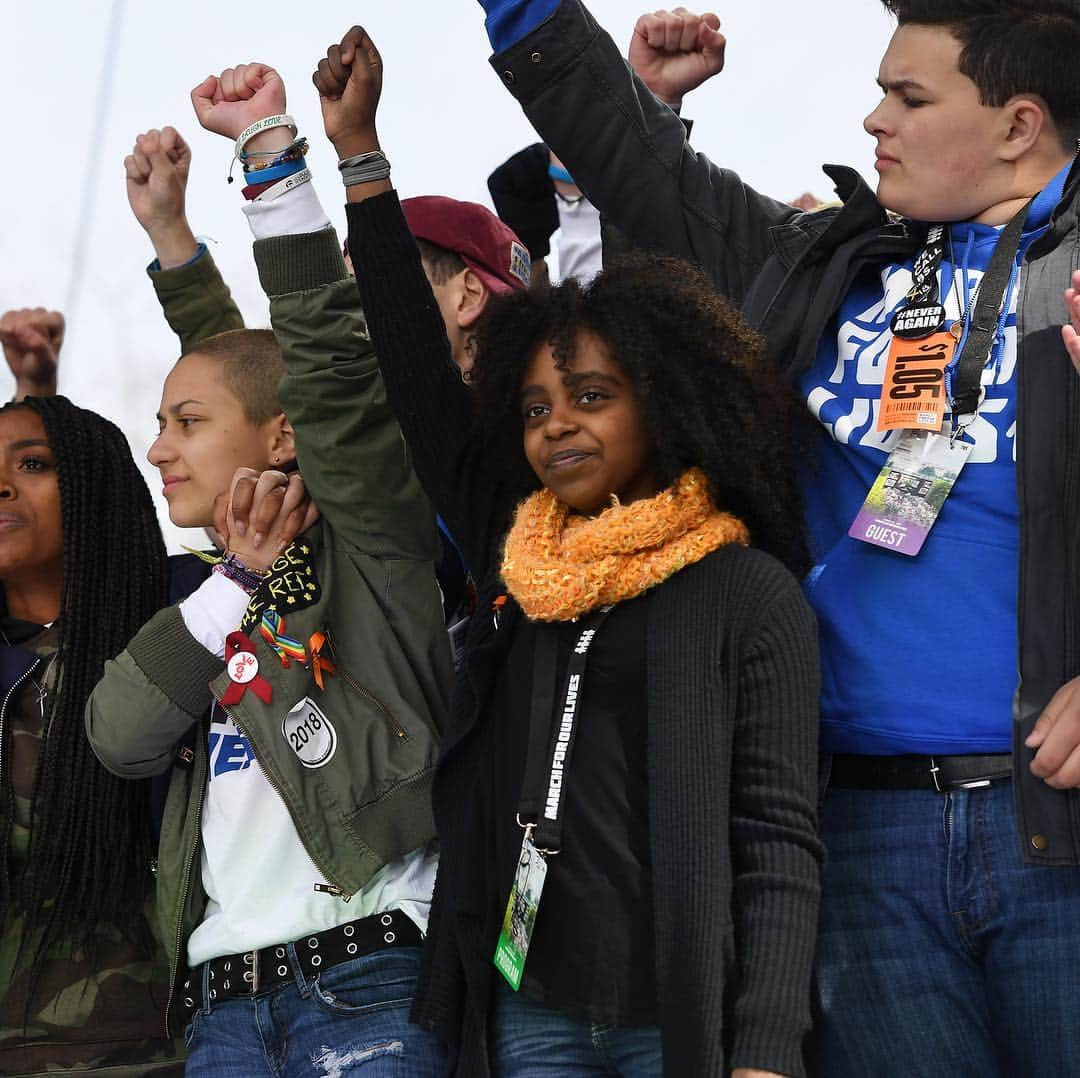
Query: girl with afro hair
[{"x": 636, "y": 720}]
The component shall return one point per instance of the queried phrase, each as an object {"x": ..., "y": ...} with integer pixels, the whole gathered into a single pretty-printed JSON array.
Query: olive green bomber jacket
[
  {"x": 194, "y": 299},
  {"x": 363, "y": 798}
]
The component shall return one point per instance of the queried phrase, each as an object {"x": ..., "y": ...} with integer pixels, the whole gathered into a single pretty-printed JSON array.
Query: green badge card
[{"x": 520, "y": 919}]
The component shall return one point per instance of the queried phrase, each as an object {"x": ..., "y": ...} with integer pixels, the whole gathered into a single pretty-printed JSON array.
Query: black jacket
[
  {"x": 789, "y": 272},
  {"x": 732, "y": 727}
]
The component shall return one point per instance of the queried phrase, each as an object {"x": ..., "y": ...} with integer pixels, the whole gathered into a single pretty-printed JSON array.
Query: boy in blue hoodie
[{"x": 922, "y": 328}]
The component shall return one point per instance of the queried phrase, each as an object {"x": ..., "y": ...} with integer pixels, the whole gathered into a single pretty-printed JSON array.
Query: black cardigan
[{"x": 732, "y": 726}]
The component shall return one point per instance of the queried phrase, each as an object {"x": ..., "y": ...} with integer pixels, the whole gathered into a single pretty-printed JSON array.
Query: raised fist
[
  {"x": 349, "y": 82},
  {"x": 674, "y": 52},
  {"x": 229, "y": 103},
  {"x": 262, "y": 514},
  {"x": 157, "y": 175},
  {"x": 31, "y": 339}
]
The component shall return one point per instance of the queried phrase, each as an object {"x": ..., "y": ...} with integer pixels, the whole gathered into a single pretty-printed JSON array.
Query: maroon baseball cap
[{"x": 487, "y": 246}]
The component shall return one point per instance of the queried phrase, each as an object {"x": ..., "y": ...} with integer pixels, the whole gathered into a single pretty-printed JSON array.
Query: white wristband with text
[
  {"x": 265, "y": 124},
  {"x": 284, "y": 186}
]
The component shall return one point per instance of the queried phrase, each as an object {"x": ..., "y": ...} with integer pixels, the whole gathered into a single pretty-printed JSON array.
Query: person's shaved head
[{"x": 251, "y": 366}]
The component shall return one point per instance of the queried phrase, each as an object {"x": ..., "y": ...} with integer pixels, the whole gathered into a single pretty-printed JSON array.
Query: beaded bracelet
[
  {"x": 232, "y": 568},
  {"x": 275, "y": 172},
  {"x": 294, "y": 152}
]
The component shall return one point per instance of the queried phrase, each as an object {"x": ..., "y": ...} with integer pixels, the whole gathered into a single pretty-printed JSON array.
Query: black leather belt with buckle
[
  {"x": 249, "y": 972},
  {"x": 940, "y": 773}
]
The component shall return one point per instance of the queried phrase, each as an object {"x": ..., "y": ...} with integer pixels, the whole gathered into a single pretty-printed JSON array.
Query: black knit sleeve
[
  {"x": 423, "y": 385},
  {"x": 776, "y": 853}
]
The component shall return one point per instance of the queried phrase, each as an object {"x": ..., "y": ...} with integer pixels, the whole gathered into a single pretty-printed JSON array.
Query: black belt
[
  {"x": 940, "y": 773},
  {"x": 250, "y": 972}
]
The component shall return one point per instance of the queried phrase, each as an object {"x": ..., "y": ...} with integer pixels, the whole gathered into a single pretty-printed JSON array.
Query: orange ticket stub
[{"x": 913, "y": 393}]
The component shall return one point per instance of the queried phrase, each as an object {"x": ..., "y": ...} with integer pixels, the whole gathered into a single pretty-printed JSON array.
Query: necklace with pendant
[{"x": 40, "y": 687}]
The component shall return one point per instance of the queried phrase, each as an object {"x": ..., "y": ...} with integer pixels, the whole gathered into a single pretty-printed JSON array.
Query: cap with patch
[{"x": 486, "y": 245}]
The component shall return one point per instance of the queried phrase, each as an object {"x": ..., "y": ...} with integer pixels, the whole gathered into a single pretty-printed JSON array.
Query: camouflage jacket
[{"x": 100, "y": 1018}]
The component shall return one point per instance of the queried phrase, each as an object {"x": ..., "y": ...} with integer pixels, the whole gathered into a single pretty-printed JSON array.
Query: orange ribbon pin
[{"x": 319, "y": 665}]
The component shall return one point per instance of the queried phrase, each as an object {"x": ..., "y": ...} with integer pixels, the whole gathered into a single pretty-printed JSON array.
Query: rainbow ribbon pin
[{"x": 272, "y": 630}]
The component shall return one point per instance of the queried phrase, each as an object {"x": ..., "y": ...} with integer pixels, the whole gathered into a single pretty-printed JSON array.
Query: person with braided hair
[{"x": 82, "y": 566}]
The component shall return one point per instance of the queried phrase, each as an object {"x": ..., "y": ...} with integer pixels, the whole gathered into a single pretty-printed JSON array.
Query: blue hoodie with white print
[{"x": 947, "y": 687}]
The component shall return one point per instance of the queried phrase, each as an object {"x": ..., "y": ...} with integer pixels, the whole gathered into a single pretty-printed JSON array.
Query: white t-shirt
[{"x": 259, "y": 880}]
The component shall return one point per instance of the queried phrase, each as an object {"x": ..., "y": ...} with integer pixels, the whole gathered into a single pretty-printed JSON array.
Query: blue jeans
[
  {"x": 532, "y": 1041},
  {"x": 351, "y": 1019},
  {"x": 940, "y": 951}
]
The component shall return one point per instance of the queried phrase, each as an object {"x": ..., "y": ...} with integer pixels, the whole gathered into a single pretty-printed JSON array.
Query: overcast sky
[{"x": 792, "y": 97}]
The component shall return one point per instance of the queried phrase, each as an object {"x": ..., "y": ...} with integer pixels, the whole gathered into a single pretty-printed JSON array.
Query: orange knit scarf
[{"x": 559, "y": 566}]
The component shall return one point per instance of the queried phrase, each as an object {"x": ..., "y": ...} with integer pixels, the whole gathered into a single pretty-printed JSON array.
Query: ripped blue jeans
[{"x": 353, "y": 1019}]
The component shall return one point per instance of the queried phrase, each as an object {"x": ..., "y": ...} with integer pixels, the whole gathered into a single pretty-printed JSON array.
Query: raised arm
[
  {"x": 423, "y": 384},
  {"x": 32, "y": 339},
  {"x": 349, "y": 445},
  {"x": 625, "y": 148},
  {"x": 194, "y": 298},
  {"x": 524, "y": 197}
]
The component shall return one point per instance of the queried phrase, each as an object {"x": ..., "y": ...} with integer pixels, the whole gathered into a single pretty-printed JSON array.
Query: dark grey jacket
[{"x": 789, "y": 273}]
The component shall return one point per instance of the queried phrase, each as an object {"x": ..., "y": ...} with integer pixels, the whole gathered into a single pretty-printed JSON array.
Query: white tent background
[{"x": 80, "y": 81}]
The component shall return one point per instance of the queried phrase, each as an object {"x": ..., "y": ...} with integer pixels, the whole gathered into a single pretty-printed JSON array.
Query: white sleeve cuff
[
  {"x": 581, "y": 252},
  {"x": 291, "y": 214},
  {"x": 214, "y": 610}
]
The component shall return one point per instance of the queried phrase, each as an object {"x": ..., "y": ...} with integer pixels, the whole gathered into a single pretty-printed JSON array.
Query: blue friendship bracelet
[
  {"x": 275, "y": 172},
  {"x": 560, "y": 174}
]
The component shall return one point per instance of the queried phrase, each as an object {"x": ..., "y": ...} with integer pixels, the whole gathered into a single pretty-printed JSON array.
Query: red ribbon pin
[{"x": 242, "y": 665}]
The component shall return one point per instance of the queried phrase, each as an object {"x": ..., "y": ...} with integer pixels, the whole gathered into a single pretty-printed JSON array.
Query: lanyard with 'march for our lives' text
[
  {"x": 548, "y": 761},
  {"x": 543, "y": 798}
]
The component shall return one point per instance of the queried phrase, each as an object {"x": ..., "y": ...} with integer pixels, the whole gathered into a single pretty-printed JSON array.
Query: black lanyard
[
  {"x": 924, "y": 272},
  {"x": 543, "y": 789},
  {"x": 923, "y": 314},
  {"x": 967, "y": 382}
]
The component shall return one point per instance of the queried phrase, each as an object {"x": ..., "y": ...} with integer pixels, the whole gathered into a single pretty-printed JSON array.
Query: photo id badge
[
  {"x": 913, "y": 393},
  {"x": 520, "y": 918},
  {"x": 909, "y": 491}
]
